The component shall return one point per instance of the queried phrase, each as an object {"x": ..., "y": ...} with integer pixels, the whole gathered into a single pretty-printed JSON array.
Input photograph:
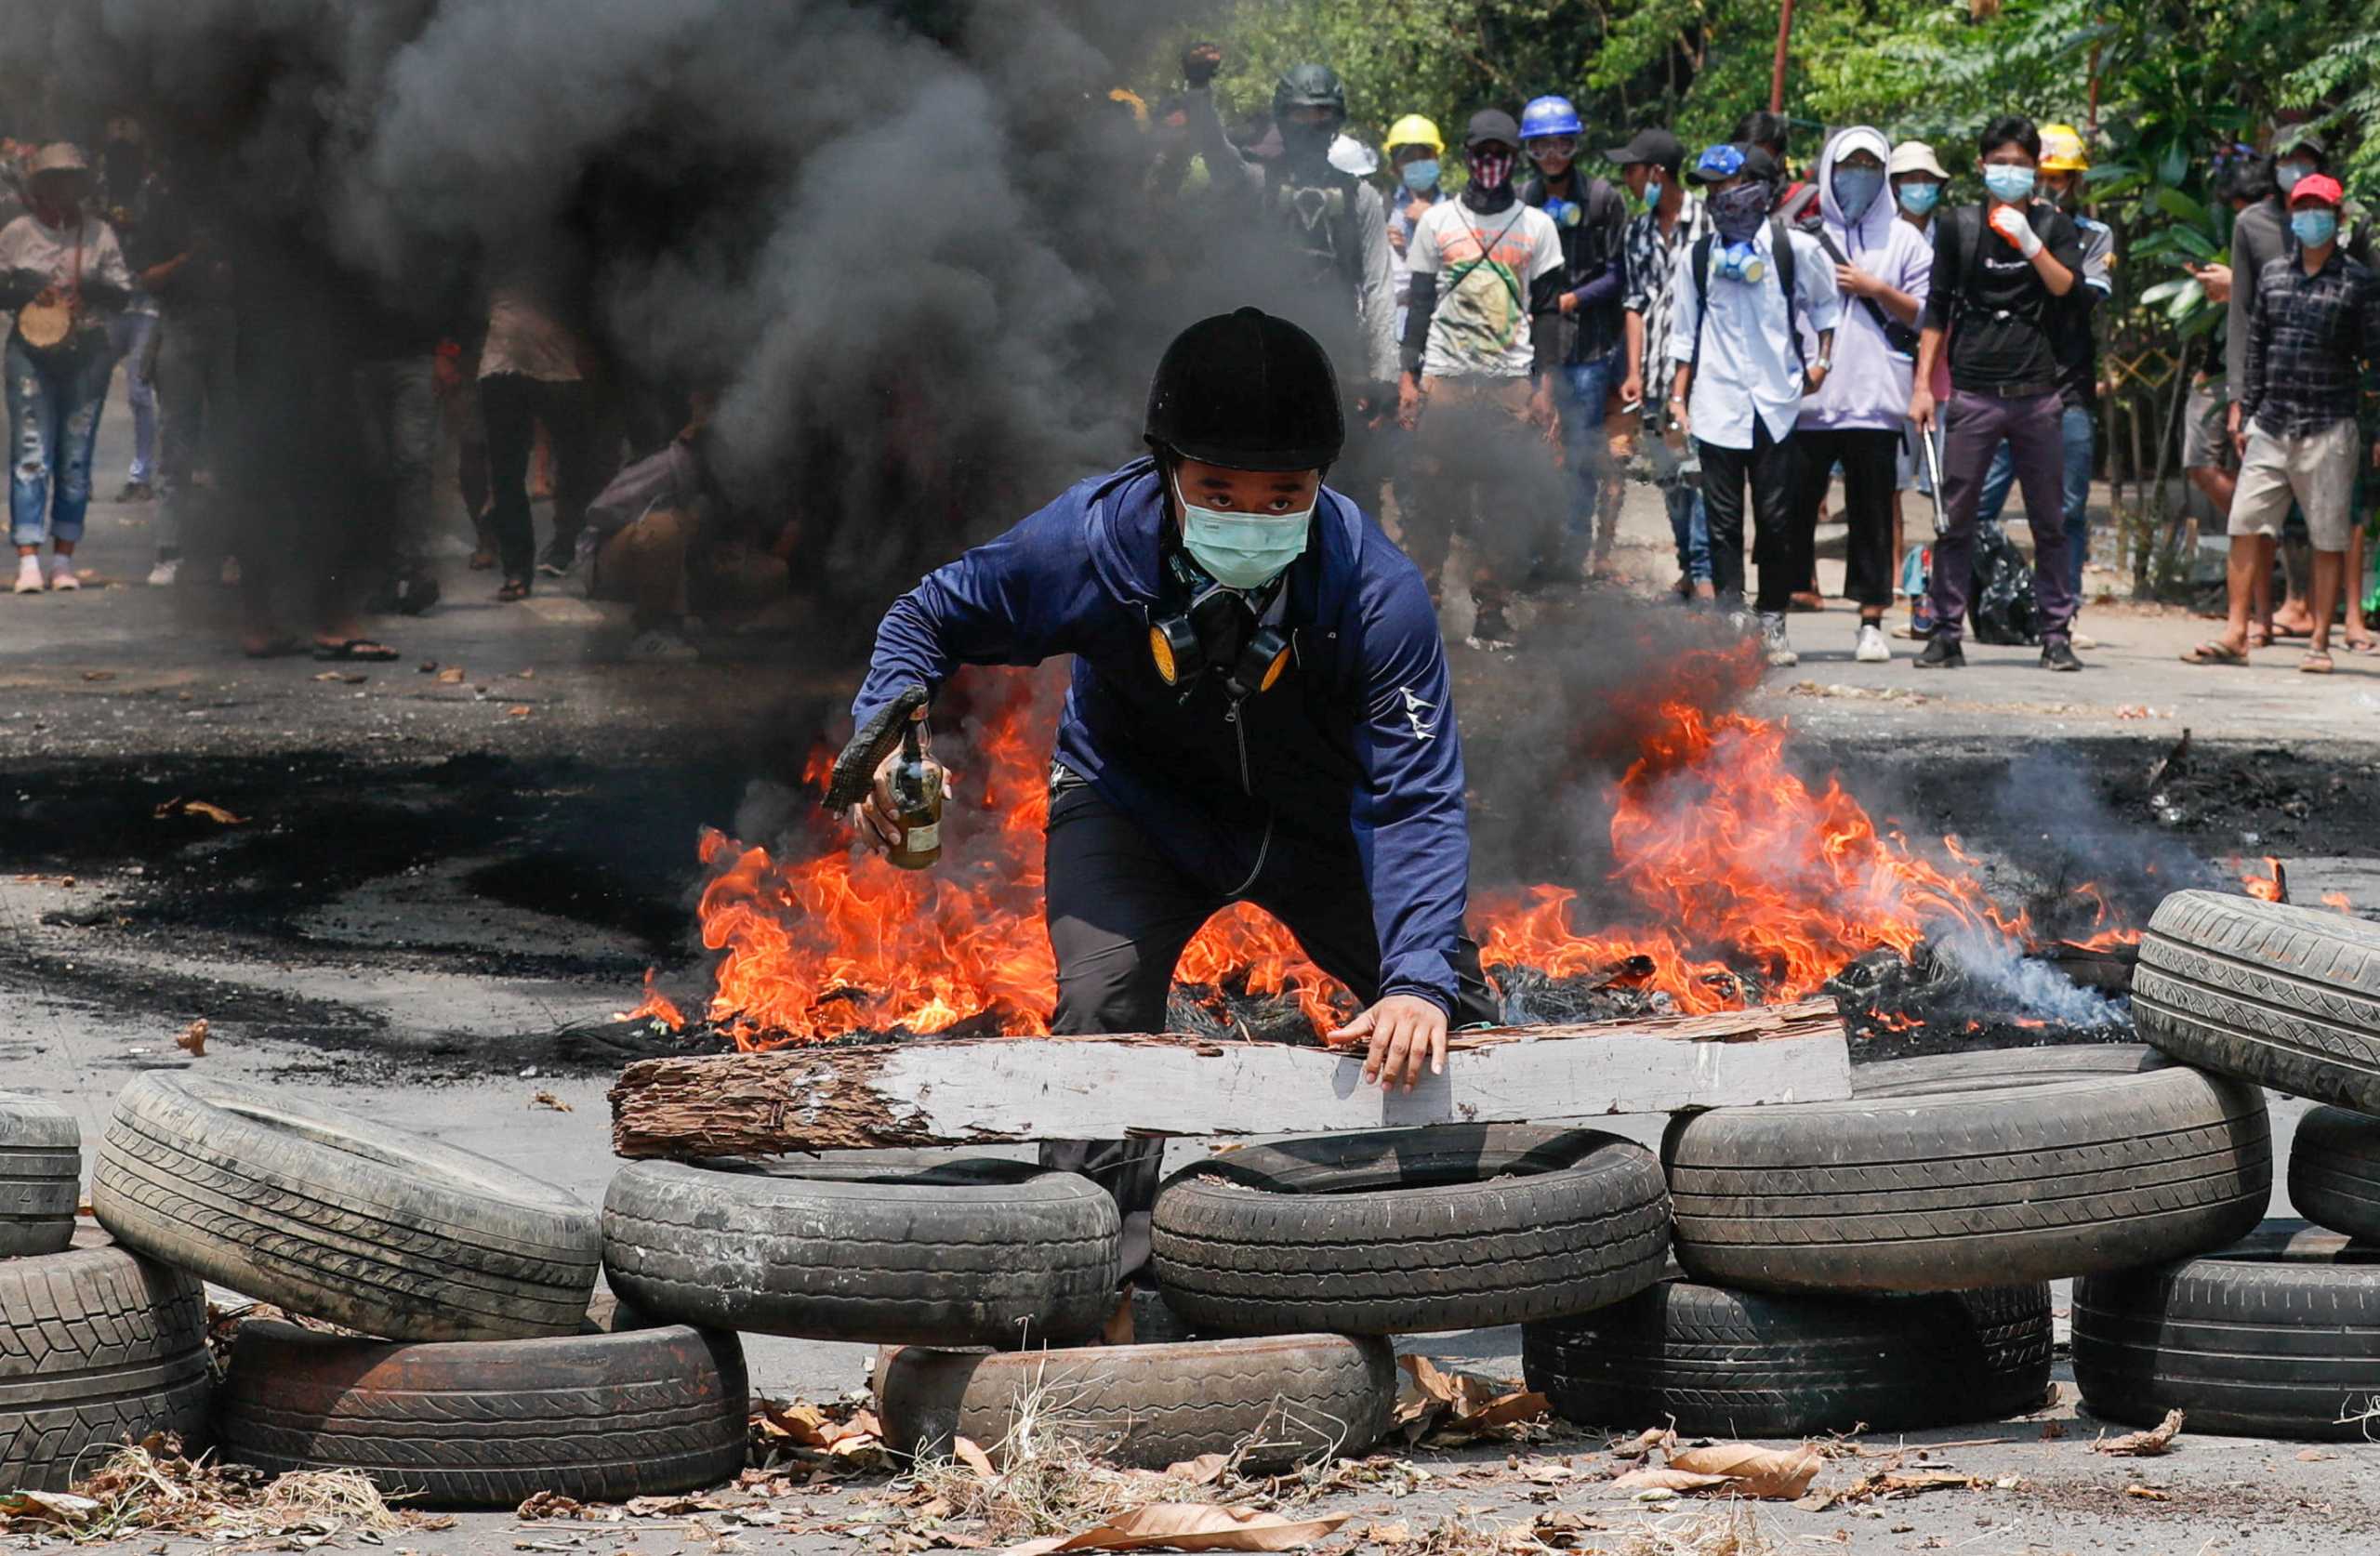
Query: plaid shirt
[
  {"x": 1652, "y": 264},
  {"x": 2307, "y": 338}
]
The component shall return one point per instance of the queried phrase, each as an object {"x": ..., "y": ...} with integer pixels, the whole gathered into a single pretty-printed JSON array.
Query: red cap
[{"x": 2318, "y": 185}]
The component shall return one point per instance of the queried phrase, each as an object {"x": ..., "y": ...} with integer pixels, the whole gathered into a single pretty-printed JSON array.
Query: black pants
[
  {"x": 1871, "y": 459},
  {"x": 1120, "y": 913},
  {"x": 512, "y": 405},
  {"x": 1769, "y": 467}
]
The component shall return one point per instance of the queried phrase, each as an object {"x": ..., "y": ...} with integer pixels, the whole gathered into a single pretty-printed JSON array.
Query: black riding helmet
[
  {"x": 1311, "y": 86},
  {"x": 1248, "y": 392}
]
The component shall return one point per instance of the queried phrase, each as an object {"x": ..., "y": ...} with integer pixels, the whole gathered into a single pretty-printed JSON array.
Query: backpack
[{"x": 1780, "y": 246}]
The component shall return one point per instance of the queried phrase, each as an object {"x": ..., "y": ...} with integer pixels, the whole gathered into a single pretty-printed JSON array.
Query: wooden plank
[{"x": 1021, "y": 1089}]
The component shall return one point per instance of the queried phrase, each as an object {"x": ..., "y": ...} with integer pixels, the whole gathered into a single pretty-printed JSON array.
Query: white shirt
[
  {"x": 1749, "y": 364},
  {"x": 88, "y": 251},
  {"x": 1487, "y": 266}
]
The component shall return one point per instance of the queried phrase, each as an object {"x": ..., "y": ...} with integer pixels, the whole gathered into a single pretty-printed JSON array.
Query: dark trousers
[
  {"x": 1768, "y": 467},
  {"x": 1119, "y": 913},
  {"x": 512, "y": 405},
  {"x": 1871, "y": 460},
  {"x": 1974, "y": 426}
]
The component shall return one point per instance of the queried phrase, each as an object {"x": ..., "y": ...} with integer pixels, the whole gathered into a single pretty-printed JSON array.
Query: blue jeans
[
  {"x": 1585, "y": 388},
  {"x": 54, "y": 405},
  {"x": 2075, "y": 431},
  {"x": 1691, "y": 529},
  {"x": 129, "y": 337}
]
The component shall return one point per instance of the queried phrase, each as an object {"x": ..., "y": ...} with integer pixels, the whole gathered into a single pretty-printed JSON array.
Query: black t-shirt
[{"x": 2000, "y": 313}]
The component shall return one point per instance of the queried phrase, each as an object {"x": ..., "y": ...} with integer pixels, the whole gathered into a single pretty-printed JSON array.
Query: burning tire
[
  {"x": 2334, "y": 1171},
  {"x": 1948, "y": 1191},
  {"x": 598, "y": 1418},
  {"x": 1732, "y": 1363},
  {"x": 1411, "y": 1230},
  {"x": 2277, "y": 1336},
  {"x": 2287, "y": 996},
  {"x": 1997, "y": 1069},
  {"x": 96, "y": 1345},
  {"x": 339, "y": 1217},
  {"x": 41, "y": 1175},
  {"x": 978, "y": 1252},
  {"x": 1293, "y": 1396}
]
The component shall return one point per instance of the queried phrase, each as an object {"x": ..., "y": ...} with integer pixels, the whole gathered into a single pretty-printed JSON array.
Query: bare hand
[
  {"x": 1859, "y": 283},
  {"x": 1541, "y": 412},
  {"x": 1631, "y": 390},
  {"x": 1813, "y": 379},
  {"x": 1397, "y": 236},
  {"x": 1569, "y": 303},
  {"x": 1201, "y": 62},
  {"x": 1408, "y": 403},
  {"x": 2232, "y": 424},
  {"x": 1921, "y": 408},
  {"x": 2215, "y": 279},
  {"x": 1400, "y": 1032}
]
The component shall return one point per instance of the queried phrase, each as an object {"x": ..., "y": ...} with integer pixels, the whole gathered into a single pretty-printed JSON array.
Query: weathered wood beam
[{"x": 975, "y": 1091}]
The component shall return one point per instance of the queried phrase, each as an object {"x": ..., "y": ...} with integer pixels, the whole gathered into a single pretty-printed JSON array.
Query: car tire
[
  {"x": 334, "y": 1216},
  {"x": 98, "y": 1347},
  {"x": 1717, "y": 1362},
  {"x": 41, "y": 1175},
  {"x": 484, "y": 1424},
  {"x": 2286, "y": 996},
  {"x": 1997, "y": 1069},
  {"x": 2334, "y": 1171},
  {"x": 1411, "y": 1230},
  {"x": 1276, "y": 1399},
  {"x": 2276, "y": 1336},
  {"x": 1952, "y": 1191},
  {"x": 980, "y": 1252}
]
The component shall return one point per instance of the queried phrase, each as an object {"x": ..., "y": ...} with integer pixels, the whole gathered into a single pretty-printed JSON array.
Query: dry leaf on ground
[
  {"x": 1769, "y": 1474},
  {"x": 548, "y": 1099},
  {"x": 1189, "y": 1526},
  {"x": 451, "y": 676},
  {"x": 180, "y": 805},
  {"x": 1451, "y": 1406},
  {"x": 969, "y": 1452},
  {"x": 2158, "y": 1438},
  {"x": 2149, "y": 1493},
  {"x": 1658, "y": 1479},
  {"x": 1645, "y": 1443},
  {"x": 193, "y": 1040},
  {"x": 1885, "y": 1485}
]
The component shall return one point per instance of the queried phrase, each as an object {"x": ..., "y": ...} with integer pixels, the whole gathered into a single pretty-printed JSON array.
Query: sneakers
[
  {"x": 655, "y": 646},
  {"x": 29, "y": 575},
  {"x": 2058, "y": 654},
  {"x": 136, "y": 492},
  {"x": 1942, "y": 654},
  {"x": 1872, "y": 648},
  {"x": 61, "y": 575},
  {"x": 1772, "y": 640},
  {"x": 162, "y": 576},
  {"x": 559, "y": 558}
]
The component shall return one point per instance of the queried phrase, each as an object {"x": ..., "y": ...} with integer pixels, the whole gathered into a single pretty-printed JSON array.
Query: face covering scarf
[
  {"x": 1242, "y": 551},
  {"x": 1491, "y": 170},
  {"x": 1738, "y": 212},
  {"x": 1856, "y": 189}
]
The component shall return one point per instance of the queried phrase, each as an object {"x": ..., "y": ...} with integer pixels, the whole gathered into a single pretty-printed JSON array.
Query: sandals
[
  {"x": 513, "y": 592},
  {"x": 351, "y": 650},
  {"x": 2316, "y": 663},
  {"x": 2214, "y": 651}
]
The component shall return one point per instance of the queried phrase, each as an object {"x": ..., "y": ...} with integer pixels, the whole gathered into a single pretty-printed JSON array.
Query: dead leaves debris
[
  {"x": 153, "y": 1487},
  {"x": 193, "y": 1040},
  {"x": 2157, "y": 1440},
  {"x": 182, "y": 806},
  {"x": 1188, "y": 1526},
  {"x": 1736, "y": 1469},
  {"x": 548, "y": 1099},
  {"x": 1438, "y": 1408},
  {"x": 841, "y": 1437}
]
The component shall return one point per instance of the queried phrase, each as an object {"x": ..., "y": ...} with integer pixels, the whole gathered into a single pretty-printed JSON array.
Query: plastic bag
[{"x": 2002, "y": 604}]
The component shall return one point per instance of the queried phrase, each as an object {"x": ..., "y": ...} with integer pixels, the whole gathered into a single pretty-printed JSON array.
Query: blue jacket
[{"x": 1352, "y": 758}]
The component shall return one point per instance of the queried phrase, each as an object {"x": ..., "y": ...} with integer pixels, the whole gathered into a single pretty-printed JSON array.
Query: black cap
[
  {"x": 1248, "y": 392},
  {"x": 1655, "y": 146},
  {"x": 1492, "y": 123},
  {"x": 2301, "y": 138},
  {"x": 1760, "y": 164}
]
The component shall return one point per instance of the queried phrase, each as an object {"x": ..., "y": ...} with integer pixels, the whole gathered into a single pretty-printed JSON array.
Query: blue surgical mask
[
  {"x": 2314, "y": 228},
  {"x": 1242, "y": 551},
  {"x": 1918, "y": 198},
  {"x": 1855, "y": 189},
  {"x": 1421, "y": 177},
  {"x": 1652, "y": 194},
  {"x": 2287, "y": 174},
  {"x": 2008, "y": 181}
]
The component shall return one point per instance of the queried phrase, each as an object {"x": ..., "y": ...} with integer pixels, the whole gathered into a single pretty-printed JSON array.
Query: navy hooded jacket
[{"x": 1352, "y": 758}]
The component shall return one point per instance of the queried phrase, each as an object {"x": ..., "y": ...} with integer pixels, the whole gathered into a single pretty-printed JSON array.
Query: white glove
[{"x": 2010, "y": 223}]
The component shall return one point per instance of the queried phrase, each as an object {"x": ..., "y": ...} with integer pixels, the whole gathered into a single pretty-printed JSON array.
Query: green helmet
[{"x": 1310, "y": 86}]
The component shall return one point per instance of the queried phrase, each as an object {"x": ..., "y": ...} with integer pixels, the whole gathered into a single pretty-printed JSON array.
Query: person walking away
[
  {"x": 190, "y": 280},
  {"x": 533, "y": 373},
  {"x": 61, "y": 274},
  {"x": 1481, "y": 352},
  {"x": 1592, "y": 220},
  {"x": 1918, "y": 180},
  {"x": 1743, "y": 294},
  {"x": 1999, "y": 268},
  {"x": 1672, "y": 222},
  {"x": 1856, "y": 418},
  {"x": 2313, "y": 329},
  {"x": 2064, "y": 162},
  {"x": 127, "y": 192}
]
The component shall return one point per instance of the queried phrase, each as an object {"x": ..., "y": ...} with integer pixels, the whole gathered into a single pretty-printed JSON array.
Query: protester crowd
[{"x": 1738, "y": 328}]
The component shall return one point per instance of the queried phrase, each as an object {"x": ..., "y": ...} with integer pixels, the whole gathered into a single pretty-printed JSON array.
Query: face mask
[
  {"x": 1491, "y": 170},
  {"x": 1918, "y": 198},
  {"x": 1242, "y": 550},
  {"x": 2288, "y": 173},
  {"x": 1306, "y": 145},
  {"x": 1421, "y": 177},
  {"x": 1855, "y": 189},
  {"x": 1652, "y": 194},
  {"x": 2008, "y": 181},
  {"x": 1739, "y": 212},
  {"x": 2314, "y": 228}
]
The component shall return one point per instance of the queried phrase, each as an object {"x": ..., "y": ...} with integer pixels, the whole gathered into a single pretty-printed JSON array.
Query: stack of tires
[
  {"x": 96, "y": 1343},
  {"x": 472, "y": 1375}
]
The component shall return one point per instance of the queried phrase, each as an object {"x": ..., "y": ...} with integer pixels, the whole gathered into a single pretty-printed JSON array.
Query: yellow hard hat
[
  {"x": 1414, "y": 130},
  {"x": 2062, "y": 150}
]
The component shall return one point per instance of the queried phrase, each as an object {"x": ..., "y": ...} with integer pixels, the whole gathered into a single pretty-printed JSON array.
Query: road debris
[
  {"x": 1188, "y": 1526},
  {"x": 193, "y": 1040},
  {"x": 548, "y": 1099},
  {"x": 1737, "y": 1468},
  {"x": 2158, "y": 1438},
  {"x": 1440, "y": 1407},
  {"x": 180, "y": 806}
]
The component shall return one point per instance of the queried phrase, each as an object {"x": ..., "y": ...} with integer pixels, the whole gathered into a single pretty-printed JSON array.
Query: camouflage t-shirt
[{"x": 1486, "y": 266}]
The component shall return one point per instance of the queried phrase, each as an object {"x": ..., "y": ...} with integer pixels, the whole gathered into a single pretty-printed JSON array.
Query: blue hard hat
[{"x": 1549, "y": 116}]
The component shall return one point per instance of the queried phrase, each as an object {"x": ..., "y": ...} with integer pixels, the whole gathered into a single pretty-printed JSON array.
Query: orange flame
[
  {"x": 655, "y": 1006},
  {"x": 2266, "y": 888}
]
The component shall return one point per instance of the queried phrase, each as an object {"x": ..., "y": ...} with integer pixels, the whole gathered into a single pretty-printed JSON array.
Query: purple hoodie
[{"x": 1870, "y": 385}]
